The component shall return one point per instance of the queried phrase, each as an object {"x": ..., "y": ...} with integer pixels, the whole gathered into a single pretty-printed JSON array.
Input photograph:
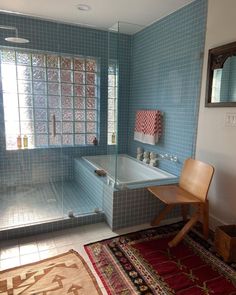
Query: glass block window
[
  {"x": 112, "y": 102},
  {"x": 49, "y": 99}
]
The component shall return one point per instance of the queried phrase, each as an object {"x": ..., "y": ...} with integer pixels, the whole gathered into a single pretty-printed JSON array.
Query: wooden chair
[{"x": 193, "y": 188}]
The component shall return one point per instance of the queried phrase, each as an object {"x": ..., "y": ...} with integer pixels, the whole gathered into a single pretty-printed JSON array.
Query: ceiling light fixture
[{"x": 84, "y": 7}]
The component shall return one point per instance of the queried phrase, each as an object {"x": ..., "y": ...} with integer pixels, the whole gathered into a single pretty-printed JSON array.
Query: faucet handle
[{"x": 174, "y": 159}]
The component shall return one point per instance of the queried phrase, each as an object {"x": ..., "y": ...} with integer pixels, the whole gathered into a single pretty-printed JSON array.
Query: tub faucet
[
  {"x": 163, "y": 157},
  {"x": 174, "y": 159}
]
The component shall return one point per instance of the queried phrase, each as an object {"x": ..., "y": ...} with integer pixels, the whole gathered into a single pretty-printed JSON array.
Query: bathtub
[{"x": 130, "y": 173}]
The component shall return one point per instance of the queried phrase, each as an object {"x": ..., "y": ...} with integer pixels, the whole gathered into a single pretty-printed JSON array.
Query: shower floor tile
[{"x": 27, "y": 204}]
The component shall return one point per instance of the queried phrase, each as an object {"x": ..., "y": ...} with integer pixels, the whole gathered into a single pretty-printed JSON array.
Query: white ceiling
[{"x": 103, "y": 13}]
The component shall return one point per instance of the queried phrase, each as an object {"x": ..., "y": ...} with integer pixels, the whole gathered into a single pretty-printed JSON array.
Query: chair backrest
[{"x": 196, "y": 178}]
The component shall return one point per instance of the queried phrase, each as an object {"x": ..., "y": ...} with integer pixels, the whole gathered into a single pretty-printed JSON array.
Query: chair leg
[
  {"x": 205, "y": 219},
  {"x": 162, "y": 215},
  {"x": 181, "y": 234},
  {"x": 184, "y": 211}
]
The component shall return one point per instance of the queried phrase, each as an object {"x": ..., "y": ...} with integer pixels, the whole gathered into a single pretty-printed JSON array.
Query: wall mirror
[{"x": 221, "y": 76}]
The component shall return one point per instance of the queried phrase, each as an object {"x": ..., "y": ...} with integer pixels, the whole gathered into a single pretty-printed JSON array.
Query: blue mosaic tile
[
  {"x": 28, "y": 204},
  {"x": 166, "y": 74},
  {"x": 160, "y": 67},
  {"x": 37, "y": 166}
]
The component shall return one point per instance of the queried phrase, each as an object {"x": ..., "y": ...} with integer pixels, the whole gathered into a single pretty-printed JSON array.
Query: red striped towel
[
  {"x": 139, "y": 121},
  {"x": 148, "y": 126}
]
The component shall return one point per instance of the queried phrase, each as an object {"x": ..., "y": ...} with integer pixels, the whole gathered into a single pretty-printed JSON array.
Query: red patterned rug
[{"x": 142, "y": 263}]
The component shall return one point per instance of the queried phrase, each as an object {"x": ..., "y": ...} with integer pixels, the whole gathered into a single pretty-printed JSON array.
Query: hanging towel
[
  {"x": 148, "y": 127},
  {"x": 139, "y": 122}
]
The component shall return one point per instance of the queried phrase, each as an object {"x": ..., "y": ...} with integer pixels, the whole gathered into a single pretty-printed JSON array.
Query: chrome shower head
[{"x": 14, "y": 39}]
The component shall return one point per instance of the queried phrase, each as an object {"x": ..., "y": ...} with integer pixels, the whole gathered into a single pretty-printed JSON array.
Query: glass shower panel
[
  {"x": 112, "y": 101},
  {"x": 81, "y": 65},
  {"x": 60, "y": 100},
  {"x": 31, "y": 171},
  {"x": 119, "y": 65}
]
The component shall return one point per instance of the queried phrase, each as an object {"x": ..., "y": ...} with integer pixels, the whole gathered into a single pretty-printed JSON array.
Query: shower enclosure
[
  {"x": 64, "y": 95},
  {"x": 50, "y": 102},
  {"x": 119, "y": 67}
]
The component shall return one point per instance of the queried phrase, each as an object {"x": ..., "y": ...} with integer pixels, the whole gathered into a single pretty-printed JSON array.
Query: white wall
[{"x": 216, "y": 143}]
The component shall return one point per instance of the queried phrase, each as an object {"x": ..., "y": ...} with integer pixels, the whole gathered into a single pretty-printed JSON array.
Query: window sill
[{"x": 50, "y": 147}]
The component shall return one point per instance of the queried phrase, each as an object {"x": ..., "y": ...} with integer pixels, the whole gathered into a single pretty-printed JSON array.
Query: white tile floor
[{"x": 34, "y": 248}]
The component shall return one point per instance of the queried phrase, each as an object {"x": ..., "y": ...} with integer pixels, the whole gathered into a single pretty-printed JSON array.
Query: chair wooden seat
[
  {"x": 192, "y": 190},
  {"x": 173, "y": 194}
]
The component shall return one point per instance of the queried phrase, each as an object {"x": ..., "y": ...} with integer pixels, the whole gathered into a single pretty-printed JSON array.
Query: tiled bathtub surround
[
  {"x": 122, "y": 208},
  {"x": 84, "y": 177},
  {"x": 136, "y": 206}
]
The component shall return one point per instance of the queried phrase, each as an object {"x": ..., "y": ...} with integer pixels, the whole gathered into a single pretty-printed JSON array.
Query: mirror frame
[{"x": 216, "y": 59}]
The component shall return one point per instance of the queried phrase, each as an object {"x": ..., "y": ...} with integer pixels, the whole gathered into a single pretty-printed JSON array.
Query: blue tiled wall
[
  {"x": 160, "y": 67},
  {"x": 166, "y": 74},
  {"x": 17, "y": 167}
]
